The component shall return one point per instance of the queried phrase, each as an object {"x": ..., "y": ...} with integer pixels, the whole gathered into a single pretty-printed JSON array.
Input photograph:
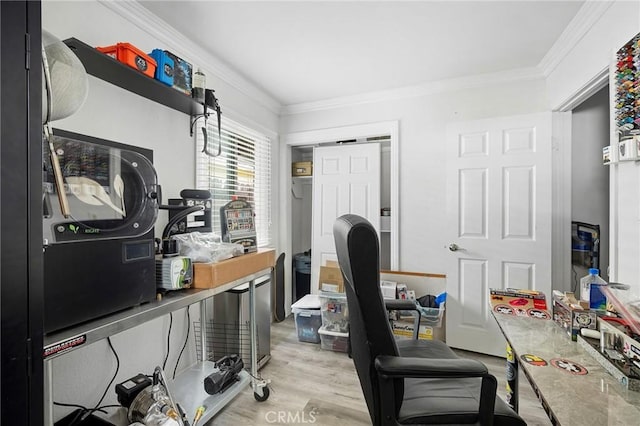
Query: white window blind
[{"x": 242, "y": 171}]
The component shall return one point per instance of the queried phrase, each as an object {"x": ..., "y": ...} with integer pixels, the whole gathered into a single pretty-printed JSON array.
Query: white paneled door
[
  {"x": 499, "y": 213},
  {"x": 346, "y": 179}
]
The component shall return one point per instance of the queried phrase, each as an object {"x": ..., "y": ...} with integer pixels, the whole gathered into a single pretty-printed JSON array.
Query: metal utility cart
[{"x": 187, "y": 388}]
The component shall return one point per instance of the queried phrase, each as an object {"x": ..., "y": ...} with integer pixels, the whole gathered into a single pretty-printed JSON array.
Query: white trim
[
  {"x": 589, "y": 14},
  {"x": 582, "y": 94},
  {"x": 246, "y": 121},
  {"x": 394, "y": 132},
  {"x": 175, "y": 41},
  {"x": 481, "y": 80},
  {"x": 311, "y": 137},
  {"x": 561, "y": 201}
]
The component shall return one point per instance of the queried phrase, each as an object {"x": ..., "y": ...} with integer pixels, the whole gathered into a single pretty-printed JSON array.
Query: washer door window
[{"x": 111, "y": 192}]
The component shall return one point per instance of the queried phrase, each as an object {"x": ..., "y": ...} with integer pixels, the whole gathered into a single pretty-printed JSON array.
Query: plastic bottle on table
[{"x": 590, "y": 289}]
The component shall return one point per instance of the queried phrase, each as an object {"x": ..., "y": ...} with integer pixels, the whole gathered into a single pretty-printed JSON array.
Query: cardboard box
[
  {"x": 573, "y": 315},
  {"x": 403, "y": 329},
  {"x": 212, "y": 275},
  {"x": 331, "y": 278},
  {"x": 520, "y": 302},
  {"x": 302, "y": 168}
]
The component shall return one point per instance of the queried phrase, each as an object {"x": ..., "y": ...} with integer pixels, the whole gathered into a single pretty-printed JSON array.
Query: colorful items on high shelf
[
  {"x": 130, "y": 55},
  {"x": 161, "y": 65},
  {"x": 627, "y": 100}
]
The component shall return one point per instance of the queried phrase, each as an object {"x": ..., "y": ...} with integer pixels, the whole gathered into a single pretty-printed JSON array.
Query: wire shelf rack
[{"x": 224, "y": 339}]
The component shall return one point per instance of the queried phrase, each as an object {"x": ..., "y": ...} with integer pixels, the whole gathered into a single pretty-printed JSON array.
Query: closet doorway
[{"x": 300, "y": 210}]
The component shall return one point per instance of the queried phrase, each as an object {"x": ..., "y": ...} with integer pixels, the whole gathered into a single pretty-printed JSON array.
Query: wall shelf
[{"x": 110, "y": 70}]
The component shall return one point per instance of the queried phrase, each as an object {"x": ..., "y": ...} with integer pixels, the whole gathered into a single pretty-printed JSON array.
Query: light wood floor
[{"x": 314, "y": 386}]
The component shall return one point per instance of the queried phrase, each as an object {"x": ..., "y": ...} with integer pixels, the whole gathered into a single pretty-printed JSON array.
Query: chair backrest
[{"x": 370, "y": 334}]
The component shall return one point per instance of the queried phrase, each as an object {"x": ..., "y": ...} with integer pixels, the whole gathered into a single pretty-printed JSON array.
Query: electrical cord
[
  {"x": 185, "y": 343},
  {"x": 164, "y": 363},
  {"x": 114, "y": 374},
  {"x": 83, "y": 411},
  {"x": 81, "y": 407}
]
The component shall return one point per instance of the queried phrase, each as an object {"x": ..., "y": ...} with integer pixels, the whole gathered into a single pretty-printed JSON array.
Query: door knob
[{"x": 454, "y": 247}]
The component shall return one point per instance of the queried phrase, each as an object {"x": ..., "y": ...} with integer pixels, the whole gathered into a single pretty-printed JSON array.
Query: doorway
[
  {"x": 298, "y": 213},
  {"x": 590, "y": 187}
]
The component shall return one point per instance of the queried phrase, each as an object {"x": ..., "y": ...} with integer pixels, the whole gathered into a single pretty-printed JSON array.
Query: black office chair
[{"x": 408, "y": 381}]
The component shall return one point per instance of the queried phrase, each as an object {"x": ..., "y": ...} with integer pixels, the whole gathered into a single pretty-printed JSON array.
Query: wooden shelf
[{"x": 110, "y": 70}]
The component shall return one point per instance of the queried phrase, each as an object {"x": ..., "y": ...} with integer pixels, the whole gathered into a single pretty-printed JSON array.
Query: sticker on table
[
  {"x": 534, "y": 360},
  {"x": 504, "y": 309},
  {"x": 519, "y": 302},
  {"x": 569, "y": 366},
  {"x": 538, "y": 314}
]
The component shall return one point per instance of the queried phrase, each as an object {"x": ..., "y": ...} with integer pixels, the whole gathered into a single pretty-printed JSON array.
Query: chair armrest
[
  {"x": 404, "y": 367},
  {"x": 405, "y": 305},
  {"x": 400, "y": 305}
]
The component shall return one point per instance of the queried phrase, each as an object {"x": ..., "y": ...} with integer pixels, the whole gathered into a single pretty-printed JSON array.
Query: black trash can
[{"x": 301, "y": 275}]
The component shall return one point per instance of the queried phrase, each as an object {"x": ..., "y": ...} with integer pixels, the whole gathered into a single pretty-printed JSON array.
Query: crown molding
[
  {"x": 176, "y": 41},
  {"x": 481, "y": 80},
  {"x": 587, "y": 16},
  {"x": 141, "y": 17}
]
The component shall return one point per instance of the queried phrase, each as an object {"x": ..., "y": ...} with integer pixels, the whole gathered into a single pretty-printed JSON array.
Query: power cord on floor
[
  {"x": 185, "y": 343},
  {"x": 84, "y": 412}
]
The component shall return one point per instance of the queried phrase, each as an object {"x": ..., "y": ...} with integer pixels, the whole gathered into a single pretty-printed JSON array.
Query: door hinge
[
  {"x": 29, "y": 357},
  {"x": 27, "y": 59}
]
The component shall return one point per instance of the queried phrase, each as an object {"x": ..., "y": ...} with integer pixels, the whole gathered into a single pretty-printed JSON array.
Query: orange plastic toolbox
[{"x": 132, "y": 56}]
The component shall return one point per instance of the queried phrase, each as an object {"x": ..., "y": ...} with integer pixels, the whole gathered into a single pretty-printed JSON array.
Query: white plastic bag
[{"x": 206, "y": 247}]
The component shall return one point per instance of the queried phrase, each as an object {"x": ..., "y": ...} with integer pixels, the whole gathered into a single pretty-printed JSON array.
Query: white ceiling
[{"x": 306, "y": 51}]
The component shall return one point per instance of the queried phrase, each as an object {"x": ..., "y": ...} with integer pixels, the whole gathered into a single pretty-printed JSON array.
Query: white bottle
[{"x": 199, "y": 84}]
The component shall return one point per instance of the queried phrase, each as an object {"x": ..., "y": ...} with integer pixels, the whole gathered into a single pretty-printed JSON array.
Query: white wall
[
  {"x": 589, "y": 177},
  {"x": 113, "y": 113},
  {"x": 593, "y": 53},
  {"x": 423, "y": 123}
]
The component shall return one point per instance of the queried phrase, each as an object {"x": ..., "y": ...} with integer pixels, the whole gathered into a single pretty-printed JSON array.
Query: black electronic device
[
  {"x": 227, "y": 370},
  {"x": 238, "y": 226},
  {"x": 100, "y": 258},
  {"x": 130, "y": 388},
  {"x": 199, "y": 221}
]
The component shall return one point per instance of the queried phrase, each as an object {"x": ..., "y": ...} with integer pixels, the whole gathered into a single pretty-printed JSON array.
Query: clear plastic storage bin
[
  {"x": 335, "y": 312},
  {"x": 307, "y": 316},
  {"x": 334, "y": 340}
]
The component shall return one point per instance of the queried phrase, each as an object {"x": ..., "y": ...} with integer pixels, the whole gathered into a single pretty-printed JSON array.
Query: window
[{"x": 241, "y": 171}]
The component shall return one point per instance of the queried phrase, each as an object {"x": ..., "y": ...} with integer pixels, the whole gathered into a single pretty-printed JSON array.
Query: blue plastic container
[{"x": 166, "y": 67}]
